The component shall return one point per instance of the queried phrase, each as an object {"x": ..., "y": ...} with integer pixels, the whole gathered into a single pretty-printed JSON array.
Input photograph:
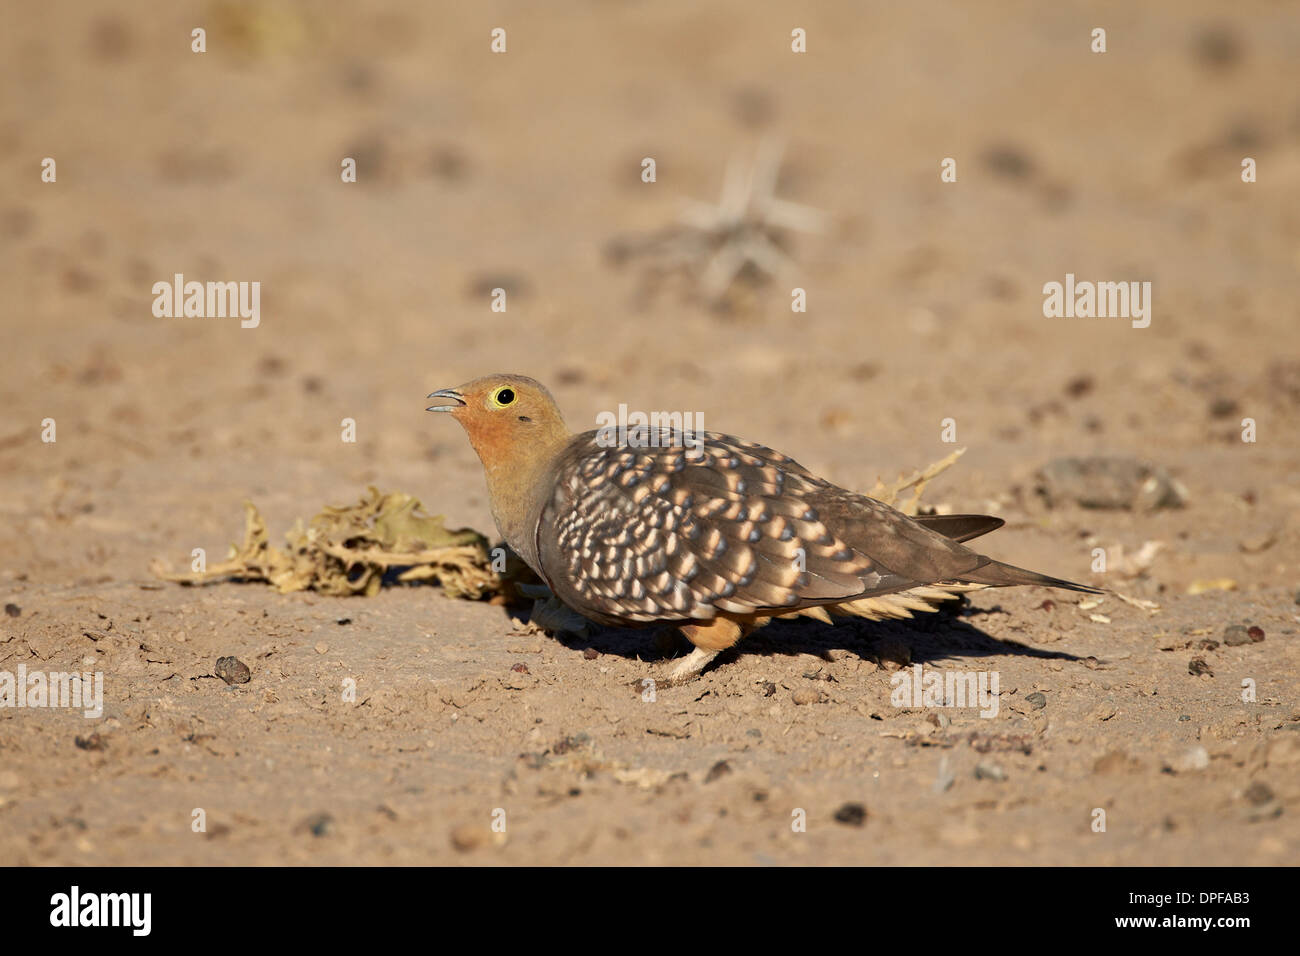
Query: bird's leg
[
  {"x": 690, "y": 666},
  {"x": 710, "y": 640}
]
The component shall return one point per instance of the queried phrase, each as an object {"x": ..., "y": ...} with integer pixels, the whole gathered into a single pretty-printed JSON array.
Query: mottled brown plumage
[{"x": 706, "y": 530}]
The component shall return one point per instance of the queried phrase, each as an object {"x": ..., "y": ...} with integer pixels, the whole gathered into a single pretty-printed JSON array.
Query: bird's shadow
[{"x": 924, "y": 639}]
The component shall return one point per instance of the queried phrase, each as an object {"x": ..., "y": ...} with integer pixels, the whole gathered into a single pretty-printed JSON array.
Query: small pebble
[
  {"x": 469, "y": 836},
  {"x": 590, "y": 654},
  {"x": 719, "y": 769},
  {"x": 232, "y": 670},
  {"x": 1259, "y": 793},
  {"x": 1235, "y": 635},
  {"x": 1197, "y": 667},
  {"x": 1263, "y": 804},
  {"x": 1256, "y": 633},
  {"x": 345, "y": 620},
  {"x": 1109, "y": 483},
  {"x": 1079, "y": 386},
  {"x": 1223, "y": 406},
  {"x": 1036, "y": 700},
  {"x": 1114, "y": 761},
  {"x": 806, "y": 695},
  {"x": 92, "y": 742},
  {"x": 13, "y": 610},
  {"x": 1194, "y": 758},
  {"x": 945, "y": 778},
  {"x": 1216, "y": 47},
  {"x": 319, "y": 825},
  {"x": 322, "y": 647},
  {"x": 576, "y": 741},
  {"x": 1008, "y": 160},
  {"x": 1256, "y": 543},
  {"x": 1104, "y": 710},
  {"x": 988, "y": 770},
  {"x": 519, "y": 668},
  {"x": 851, "y": 814}
]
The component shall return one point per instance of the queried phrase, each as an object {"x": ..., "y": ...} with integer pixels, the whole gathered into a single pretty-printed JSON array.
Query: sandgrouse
[{"x": 707, "y": 531}]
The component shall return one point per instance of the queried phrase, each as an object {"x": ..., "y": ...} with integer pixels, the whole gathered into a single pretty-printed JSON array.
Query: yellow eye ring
[{"x": 504, "y": 397}]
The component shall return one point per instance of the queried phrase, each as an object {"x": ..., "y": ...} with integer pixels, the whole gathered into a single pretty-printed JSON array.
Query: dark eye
[{"x": 503, "y": 397}]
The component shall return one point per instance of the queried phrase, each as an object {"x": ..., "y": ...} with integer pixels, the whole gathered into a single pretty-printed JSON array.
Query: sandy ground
[{"x": 479, "y": 171}]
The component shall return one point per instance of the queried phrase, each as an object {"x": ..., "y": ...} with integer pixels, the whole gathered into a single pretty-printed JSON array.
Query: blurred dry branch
[
  {"x": 743, "y": 235},
  {"x": 916, "y": 481}
]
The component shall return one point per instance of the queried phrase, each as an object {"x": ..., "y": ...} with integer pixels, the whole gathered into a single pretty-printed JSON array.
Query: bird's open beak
[{"x": 452, "y": 400}]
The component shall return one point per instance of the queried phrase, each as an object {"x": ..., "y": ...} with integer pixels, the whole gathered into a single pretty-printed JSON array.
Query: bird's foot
[
  {"x": 690, "y": 666},
  {"x": 710, "y": 639}
]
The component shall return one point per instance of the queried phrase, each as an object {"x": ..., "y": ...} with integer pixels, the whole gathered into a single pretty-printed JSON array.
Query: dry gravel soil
[{"x": 516, "y": 171}]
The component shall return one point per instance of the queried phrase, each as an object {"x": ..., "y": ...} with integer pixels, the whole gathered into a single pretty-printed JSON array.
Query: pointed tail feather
[
  {"x": 998, "y": 575},
  {"x": 960, "y": 527}
]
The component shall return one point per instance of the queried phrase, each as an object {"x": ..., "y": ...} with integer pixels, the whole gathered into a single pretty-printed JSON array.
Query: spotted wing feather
[{"x": 657, "y": 529}]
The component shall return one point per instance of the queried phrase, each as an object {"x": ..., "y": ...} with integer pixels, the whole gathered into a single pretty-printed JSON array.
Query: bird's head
[{"x": 509, "y": 418}]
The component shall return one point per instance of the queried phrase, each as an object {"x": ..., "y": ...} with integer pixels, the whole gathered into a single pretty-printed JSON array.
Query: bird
[{"x": 651, "y": 526}]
